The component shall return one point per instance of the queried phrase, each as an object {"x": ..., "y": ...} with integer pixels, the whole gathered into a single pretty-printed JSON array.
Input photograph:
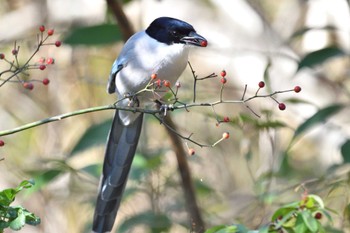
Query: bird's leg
[
  {"x": 133, "y": 100},
  {"x": 164, "y": 108}
]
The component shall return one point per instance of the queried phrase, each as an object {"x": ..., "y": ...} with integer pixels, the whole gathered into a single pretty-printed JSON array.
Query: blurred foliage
[
  {"x": 236, "y": 191},
  {"x": 15, "y": 217},
  {"x": 320, "y": 56},
  {"x": 93, "y": 35}
]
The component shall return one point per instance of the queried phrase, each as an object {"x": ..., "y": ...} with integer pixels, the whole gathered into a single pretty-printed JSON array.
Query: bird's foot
[
  {"x": 164, "y": 108},
  {"x": 133, "y": 100}
]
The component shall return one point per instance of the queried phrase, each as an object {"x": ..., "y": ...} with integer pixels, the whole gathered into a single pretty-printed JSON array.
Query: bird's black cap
[{"x": 169, "y": 31}]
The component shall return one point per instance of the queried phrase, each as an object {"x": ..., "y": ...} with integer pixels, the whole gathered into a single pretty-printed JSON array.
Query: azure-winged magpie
[{"x": 161, "y": 49}]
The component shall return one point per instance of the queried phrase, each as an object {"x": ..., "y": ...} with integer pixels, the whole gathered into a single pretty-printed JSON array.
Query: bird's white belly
[{"x": 168, "y": 62}]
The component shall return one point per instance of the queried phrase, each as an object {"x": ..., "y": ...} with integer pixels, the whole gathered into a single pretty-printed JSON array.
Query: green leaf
[
  {"x": 155, "y": 222},
  {"x": 228, "y": 229},
  {"x": 215, "y": 229},
  {"x": 7, "y": 196},
  {"x": 202, "y": 188},
  {"x": 330, "y": 229},
  {"x": 3, "y": 225},
  {"x": 287, "y": 220},
  {"x": 223, "y": 229},
  {"x": 319, "y": 117},
  {"x": 320, "y": 56},
  {"x": 94, "y": 169},
  {"x": 310, "y": 222},
  {"x": 345, "y": 151},
  {"x": 297, "y": 101},
  {"x": 142, "y": 165},
  {"x": 31, "y": 219},
  {"x": 25, "y": 184},
  {"x": 264, "y": 229},
  {"x": 300, "y": 226},
  {"x": 130, "y": 192},
  {"x": 93, "y": 136},
  {"x": 45, "y": 178},
  {"x": 94, "y": 35},
  {"x": 18, "y": 222},
  {"x": 267, "y": 76},
  {"x": 270, "y": 124},
  {"x": 315, "y": 200},
  {"x": 346, "y": 212},
  {"x": 287, "y": 209},
  {"x": 306, "y": 29}
]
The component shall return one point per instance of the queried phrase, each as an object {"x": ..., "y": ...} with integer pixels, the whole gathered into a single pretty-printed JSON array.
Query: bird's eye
[{"x": 175, "y": 33}]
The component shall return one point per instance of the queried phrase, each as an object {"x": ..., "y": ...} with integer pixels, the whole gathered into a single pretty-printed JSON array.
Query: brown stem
[
  {"x": 123, "y": 22},
  {"x": 187, "y": 185}
]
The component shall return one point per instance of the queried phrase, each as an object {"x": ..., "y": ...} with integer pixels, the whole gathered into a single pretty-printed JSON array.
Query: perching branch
[{"x": 158, "y": 113}]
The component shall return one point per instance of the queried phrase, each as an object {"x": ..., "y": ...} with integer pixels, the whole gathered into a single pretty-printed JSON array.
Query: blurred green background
[{"x": 266, "y": 162}]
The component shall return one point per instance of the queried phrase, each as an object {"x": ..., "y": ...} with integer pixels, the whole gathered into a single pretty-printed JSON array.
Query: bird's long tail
[{"x": 120, "y": 151}]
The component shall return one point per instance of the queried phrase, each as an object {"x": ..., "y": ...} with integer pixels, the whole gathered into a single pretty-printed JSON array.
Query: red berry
[
  {"x": 58, "y": 43},
  {"x": 204, "y": 43},
  {"x": 226, "y": 135},
  {"x": 158, "y": 83},
  {"x": 297, "y": 89},
  {"x": 226, "y": 119},
  {"x": 153, "y": 76},
  {"x": 2, "y": 143},
  {"x": 28, "y": 85},
  {"x": 167, "y": 83},
  {"x": 223, "y": 73},
  {"x": 46, "y": 81},
  {"x": 191, "y": 151},
  {"x": 14, "y": 51},
  {"x": 2, "y": 56},
  {"x": 178, "y": 84},
  {"x": 50, "y": 32},
  {"x": 50, "y": 61},
  {"x": 261, "y": 84},
  {"x": 281, "y": 106},
  {"x": 318, "y": 215},
  {"x": 223, "y": 80},
  {"x": 41, "y": 60},
  {"x": 42, "y": 67},
  {"x": 42, "y": 28}
]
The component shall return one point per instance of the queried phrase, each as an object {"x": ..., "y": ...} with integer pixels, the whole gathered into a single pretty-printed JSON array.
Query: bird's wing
[
  {"x": 116, "y": 67},
  {"x": 121, "y": 146}
]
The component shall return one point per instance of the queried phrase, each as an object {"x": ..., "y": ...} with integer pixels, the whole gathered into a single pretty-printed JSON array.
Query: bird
[{"x": 161, "y": 49}]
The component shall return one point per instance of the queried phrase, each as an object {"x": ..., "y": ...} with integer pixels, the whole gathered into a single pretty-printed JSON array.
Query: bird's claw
[
  {"x": 165, "y": 108},
  {"x": 133, "y": 100}
]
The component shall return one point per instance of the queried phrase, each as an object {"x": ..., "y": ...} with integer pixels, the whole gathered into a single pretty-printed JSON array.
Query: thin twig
[
  {"x": 188, "y": 138},
  {"x": 194, "y": 81},
  {"x": 245, "y": 91}
]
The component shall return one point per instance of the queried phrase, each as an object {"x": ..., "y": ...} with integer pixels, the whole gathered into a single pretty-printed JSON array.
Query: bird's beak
[{"x": 195, "y": 39}]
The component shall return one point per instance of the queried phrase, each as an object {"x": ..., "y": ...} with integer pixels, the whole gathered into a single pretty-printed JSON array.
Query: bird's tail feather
[{"x": 121, "y": 146}]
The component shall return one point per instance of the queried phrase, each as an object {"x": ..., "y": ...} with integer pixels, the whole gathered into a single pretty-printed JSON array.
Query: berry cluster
[
  {"x": 223, "y": 80},
  {"x": 156, "y": 83},
  {"x": 16, "y": 69},
  {"x": 281, "y": 106}
]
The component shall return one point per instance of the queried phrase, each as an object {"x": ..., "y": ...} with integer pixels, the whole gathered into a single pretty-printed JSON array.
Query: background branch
[
  {"x": 184, "y": 170},
  {"x": 123, "y": 22}
]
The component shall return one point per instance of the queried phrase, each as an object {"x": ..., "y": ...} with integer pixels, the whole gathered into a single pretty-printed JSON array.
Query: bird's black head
[{"x": 169, "y": 31}]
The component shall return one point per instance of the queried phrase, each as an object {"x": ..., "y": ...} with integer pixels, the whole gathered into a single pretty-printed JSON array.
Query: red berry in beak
[{"x": 204, "y": 43}]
